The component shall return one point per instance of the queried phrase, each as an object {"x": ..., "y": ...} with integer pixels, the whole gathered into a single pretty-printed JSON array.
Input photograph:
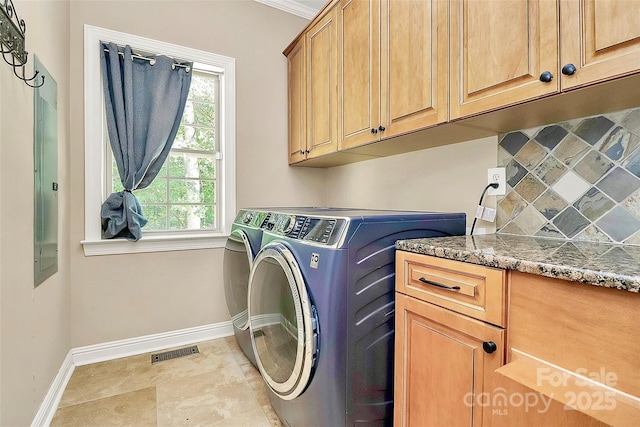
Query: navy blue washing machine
[
  {"x": 240, "y": 250},
  {"x": 321, "y": 310}
]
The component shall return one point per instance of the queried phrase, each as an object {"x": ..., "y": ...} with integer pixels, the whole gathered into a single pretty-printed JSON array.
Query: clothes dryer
[
  {"x": 321, "y": 307},
  {"x": 240, "y": 250}
]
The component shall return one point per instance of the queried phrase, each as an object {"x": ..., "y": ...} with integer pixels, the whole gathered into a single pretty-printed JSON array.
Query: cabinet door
[
  {"x": 414, "y": 65},
  {"x": 297, "y": 103},
  {"x": 601, "y": 38},
  {"x": 440, "y": 366},
  {"x": 359, "y": 68},
  {"x": 322, "y": 114},
  {"x": 499, "y": 49}
]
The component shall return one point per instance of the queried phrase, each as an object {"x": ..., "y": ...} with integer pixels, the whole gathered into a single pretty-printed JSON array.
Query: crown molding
[{"x": 291, "y": 7}]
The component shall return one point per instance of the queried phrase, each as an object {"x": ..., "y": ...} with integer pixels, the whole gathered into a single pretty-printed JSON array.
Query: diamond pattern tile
[
  {"x": 592, "y": 234},
  {"x": 530, "y": 220},
  {"x": 530, "y": 188},
  {"x": 593, "y": 128},
  {"x": 631, "y": 121},
  {"x": 513, "y": 142},
  {"x": 619, "y": 224},
  {"x": 634, "y": 239},
  {"x": 512, "y": 228},
  {"x": 570, "y": 222},
  {"x": 619, "y": 143},
  {"x": 550, "y": 204},
  {"x": 548, "y": 230},
  {"x": 633, "y": 163},
  {"x": 632, "y": 204},
  {"x": 593, "y": 166},
  {"x": 503, "y": 157},
  {"x": 619, "y": 184},
  {"x": 594, "y": 204},
  {"x": 570, "y": 187},
  {"x": 577, "y": 180},
  {"x": 514, "y": 172},
  {"x": 531, "y": 154},
  {"x": 512, "y": 205},
  {"x": 571, "y": 150},
  {"x": 551, "y": 136},
  {"x": 550, "y": 170}
]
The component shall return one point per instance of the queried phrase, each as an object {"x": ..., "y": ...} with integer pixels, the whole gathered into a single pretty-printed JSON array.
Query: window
[
  {"x": 182, "y": 196},
  {"x": 191, "y": 203}
]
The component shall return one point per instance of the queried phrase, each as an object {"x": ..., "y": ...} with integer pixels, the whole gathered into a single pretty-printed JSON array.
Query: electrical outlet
[{"x": 497, "y": 175}]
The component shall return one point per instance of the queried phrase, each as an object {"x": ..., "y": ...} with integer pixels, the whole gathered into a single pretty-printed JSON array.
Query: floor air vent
[{"x": 173, "y": 354}]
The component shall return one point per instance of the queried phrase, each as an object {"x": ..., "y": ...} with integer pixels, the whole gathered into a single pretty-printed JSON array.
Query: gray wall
[
  {"x": 449, "y": 178},
  {"x": 35, "y": 335},
  {"x": 124, "y": 296}
]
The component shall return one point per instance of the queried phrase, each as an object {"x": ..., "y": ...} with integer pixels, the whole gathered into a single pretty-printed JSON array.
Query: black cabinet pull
[
  {"x": 569, "y": 69},
  {"x": 302, "y": 152},
  {"x": 546, "y": 77},
  {"x": 307, "y": 151},
  {"x": 489, "y": 347},
  {"x": 439, "y": 285},
  {"x": 374, "y": 130},
  {"x": 381, "y": 128}
]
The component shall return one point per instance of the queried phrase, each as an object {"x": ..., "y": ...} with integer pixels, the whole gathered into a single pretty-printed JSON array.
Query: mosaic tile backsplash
[{"x": 577, "y": 180}]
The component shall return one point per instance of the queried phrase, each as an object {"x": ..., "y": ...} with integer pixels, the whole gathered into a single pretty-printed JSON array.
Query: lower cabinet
[
  {"x": 572, "y": 355},
  {"x": 560, "y": 353},
  {"x": 444, "y": 363}
]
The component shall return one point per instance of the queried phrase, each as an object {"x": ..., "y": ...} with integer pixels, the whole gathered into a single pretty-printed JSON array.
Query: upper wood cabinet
[
  {"x": 322, "y": 69},
  {"x": 414, "y": 65},
  {"x": 499, "y": 49},
  {"x": 313, "y": 91},
  {"x": 359, "y": 71},
  {"x": 366, "y": 71},
  {"x": 494, "y": 65},
  {"x": 601, "y": 38},
  {"x": 392, "y": 68},
  {"x": 297, "y": 102}
]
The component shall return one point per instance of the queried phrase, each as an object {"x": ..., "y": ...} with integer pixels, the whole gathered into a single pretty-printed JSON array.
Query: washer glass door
[
  {"x": 238, "y": 258},
  {"x": 282, "y": 321}
]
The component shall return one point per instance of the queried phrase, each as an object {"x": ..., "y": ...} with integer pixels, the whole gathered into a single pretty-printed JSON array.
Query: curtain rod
[{"x": 152, "y": 61}]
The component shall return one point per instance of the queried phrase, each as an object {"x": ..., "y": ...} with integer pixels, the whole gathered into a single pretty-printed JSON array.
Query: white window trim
[{"x": 96, "y": 148}]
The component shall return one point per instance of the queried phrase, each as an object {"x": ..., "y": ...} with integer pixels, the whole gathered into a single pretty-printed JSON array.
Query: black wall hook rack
[{"x": 12, "y": 30}]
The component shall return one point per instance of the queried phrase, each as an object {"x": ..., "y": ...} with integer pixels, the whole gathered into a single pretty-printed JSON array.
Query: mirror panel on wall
[{"x": 46, "y": 177}]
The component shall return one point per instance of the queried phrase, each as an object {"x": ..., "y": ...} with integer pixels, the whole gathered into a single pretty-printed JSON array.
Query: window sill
[{"x": 160, "y": 243}]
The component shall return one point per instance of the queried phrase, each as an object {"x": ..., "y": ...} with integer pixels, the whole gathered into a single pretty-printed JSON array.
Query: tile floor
[{"x": 216, "y": 387}]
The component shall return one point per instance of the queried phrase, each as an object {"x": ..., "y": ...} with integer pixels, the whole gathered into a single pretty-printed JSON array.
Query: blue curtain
[{"x": 144, "y": 102}]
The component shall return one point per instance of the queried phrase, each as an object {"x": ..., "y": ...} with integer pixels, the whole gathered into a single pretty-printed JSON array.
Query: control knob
[
  {"x": 289, "y": 223},
  {"x": 247, "y": 217}
]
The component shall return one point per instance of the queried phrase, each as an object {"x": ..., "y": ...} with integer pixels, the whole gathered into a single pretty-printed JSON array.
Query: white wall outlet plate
[{"x": 498, "y": 175}]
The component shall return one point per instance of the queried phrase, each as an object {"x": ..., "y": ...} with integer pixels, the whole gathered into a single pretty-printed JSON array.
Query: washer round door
[
  {"x": 238, "y": 259},
  {"x": 282, "y": 321}
]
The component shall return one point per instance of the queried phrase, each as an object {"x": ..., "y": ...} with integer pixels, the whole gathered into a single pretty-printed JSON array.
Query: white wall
[
  {"x": 34, "y": 322},
  {"x": 449, "y": 178},
  {"x": 123, "y": 296}
]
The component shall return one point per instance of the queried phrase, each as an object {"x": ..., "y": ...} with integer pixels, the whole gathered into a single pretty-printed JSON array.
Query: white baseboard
[
  {"x": 145, "y": 344},
  {"x": 51, "y": 400},
  {"x": 123, "y": 348}
]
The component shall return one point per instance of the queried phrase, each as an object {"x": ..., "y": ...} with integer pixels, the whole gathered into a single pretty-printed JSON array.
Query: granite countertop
[{"x": 599, "y": 264}]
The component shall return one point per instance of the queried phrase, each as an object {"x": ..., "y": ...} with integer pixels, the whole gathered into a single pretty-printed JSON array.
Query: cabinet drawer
[{"x": 470, "y": 289}]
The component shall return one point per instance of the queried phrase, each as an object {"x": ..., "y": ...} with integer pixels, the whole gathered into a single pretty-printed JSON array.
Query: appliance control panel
[
  {"x": 251, "y": 218},
  {"x": 325, "y": 231}
]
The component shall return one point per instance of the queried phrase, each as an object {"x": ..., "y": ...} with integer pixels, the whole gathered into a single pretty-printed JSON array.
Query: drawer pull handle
[{"x": 439, "y": 285}]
